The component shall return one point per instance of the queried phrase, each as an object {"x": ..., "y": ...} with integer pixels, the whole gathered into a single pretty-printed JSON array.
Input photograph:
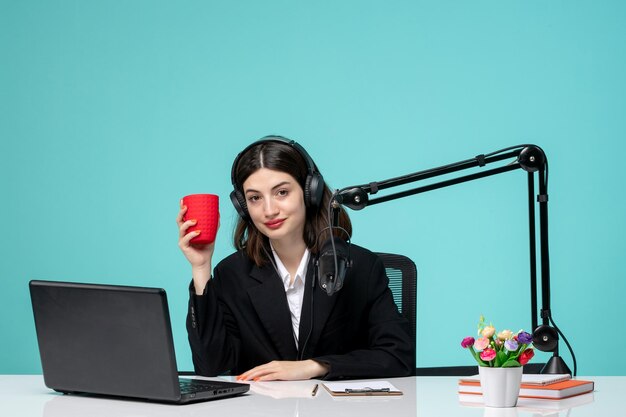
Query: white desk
[{"x": 26, "y": 395}]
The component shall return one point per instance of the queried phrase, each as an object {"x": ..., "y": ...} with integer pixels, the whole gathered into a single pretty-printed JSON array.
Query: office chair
[{"x": 402, "y": 275}]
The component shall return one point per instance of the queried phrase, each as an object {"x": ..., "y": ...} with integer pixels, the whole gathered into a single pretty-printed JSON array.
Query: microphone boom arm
[{"x": 531, "y": 159}]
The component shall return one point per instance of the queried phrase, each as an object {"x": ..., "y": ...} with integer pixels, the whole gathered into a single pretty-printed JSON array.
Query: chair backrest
[{"x": 402, "y": 275}]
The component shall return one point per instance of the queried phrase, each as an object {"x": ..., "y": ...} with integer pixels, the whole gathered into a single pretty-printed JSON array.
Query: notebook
[
  {"x": 528, "y": 379},
  {"x": 113, "y": 340}
]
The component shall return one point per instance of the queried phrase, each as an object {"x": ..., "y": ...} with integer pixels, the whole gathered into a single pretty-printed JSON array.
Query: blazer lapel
[
  {"x": 322, "y": 307},
  {"x": 270, "y": 302}
]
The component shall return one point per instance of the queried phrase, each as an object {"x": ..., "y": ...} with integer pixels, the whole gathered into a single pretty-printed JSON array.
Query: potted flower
[{"x": 500, "y": 357}]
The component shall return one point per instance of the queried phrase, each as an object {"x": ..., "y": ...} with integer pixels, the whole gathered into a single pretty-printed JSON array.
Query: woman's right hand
[{"x": 199, "y": 256}]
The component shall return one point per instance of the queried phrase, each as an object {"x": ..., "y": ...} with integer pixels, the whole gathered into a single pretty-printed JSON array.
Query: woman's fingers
[
  {"x": 185, "y": 239},
  {"x": 257, "y": 372},
  {"x": 184, "y": 225},
  {"x": 182, "y": 230},
  {"x": 280, "y": 370},
  {"x": 181, "y": 214},
  {"x": 285, "y": 370}
]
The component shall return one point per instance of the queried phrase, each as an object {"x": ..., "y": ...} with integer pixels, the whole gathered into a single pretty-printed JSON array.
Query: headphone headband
[{"x": 310, "y": 165}]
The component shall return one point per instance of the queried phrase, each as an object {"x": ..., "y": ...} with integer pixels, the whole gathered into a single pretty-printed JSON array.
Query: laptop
[{"x": 113, "y": 340}]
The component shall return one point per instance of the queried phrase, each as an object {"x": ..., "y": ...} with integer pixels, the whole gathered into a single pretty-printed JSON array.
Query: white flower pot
[{"x": 500, "y": 386}]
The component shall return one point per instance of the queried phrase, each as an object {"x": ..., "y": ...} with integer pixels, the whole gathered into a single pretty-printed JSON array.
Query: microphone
[{"x": 332, "y": 264}]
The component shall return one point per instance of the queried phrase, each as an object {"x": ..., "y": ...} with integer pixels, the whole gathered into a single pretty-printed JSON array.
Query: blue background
[{"x": 111, "y": 111}]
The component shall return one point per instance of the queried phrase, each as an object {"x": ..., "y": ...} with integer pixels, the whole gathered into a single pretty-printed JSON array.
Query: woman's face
[{"x": 276, "y": 204}]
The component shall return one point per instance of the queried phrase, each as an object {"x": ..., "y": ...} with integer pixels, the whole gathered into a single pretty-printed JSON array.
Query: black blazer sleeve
[{"x": 213, "y": 335}]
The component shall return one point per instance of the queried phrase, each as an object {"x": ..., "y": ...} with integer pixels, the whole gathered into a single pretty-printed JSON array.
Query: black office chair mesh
[{"x": 402, "y": 275}]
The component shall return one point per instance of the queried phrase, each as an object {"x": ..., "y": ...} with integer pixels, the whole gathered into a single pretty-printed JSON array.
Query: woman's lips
[{"x": 274, "y": 224}]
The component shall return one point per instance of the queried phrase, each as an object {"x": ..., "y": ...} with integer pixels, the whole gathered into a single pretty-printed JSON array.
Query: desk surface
[{"x": 26, "y": 395}]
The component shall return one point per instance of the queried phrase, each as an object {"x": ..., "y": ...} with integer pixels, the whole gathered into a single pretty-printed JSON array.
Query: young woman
[{"x": 262, "y": 314}]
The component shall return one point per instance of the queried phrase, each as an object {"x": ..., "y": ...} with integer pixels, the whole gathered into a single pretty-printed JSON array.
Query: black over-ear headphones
[{"x": 313, "y": 184}]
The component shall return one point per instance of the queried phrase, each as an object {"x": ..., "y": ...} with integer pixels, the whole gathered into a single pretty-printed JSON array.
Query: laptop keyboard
[{"x": 191, "y": 386}]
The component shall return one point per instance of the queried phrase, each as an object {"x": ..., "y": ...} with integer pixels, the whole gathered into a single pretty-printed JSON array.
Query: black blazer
[{"x": 243, "y": 321}]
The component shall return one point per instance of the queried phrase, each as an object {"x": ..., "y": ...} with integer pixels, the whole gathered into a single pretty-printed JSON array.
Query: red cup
[{"x": 205, "y": 208}]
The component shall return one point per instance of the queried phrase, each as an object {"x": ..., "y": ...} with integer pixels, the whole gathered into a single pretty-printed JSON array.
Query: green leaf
[
  {"x": 518, "y": 352},
  {"x": 511, "y": 363},
  {"x": 501, "y": 358}
]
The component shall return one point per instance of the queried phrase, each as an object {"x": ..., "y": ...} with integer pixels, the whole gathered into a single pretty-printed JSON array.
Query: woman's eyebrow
[{"x": 280, "y": 184}]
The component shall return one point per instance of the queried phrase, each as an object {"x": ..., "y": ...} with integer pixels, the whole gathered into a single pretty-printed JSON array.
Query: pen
[{"x": 315, "y": 390}]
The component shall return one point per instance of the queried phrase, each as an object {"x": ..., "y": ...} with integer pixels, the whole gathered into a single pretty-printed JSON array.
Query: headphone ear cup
[
  {"x": 313, "y": 190},
  {"x": 239, "y": 202},
  {"x": 545, "y": 338}
]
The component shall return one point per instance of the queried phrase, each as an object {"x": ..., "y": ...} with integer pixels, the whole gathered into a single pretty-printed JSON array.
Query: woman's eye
[
  {"x": 283, "y": 193},
  {"x": 253, "y": 198}
]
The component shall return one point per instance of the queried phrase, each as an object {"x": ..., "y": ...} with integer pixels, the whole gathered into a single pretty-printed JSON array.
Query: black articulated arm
[{"x": 529, "y": 158}]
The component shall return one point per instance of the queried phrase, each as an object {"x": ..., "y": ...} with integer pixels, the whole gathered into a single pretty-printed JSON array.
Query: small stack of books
[{"x": 542, "y": 387}]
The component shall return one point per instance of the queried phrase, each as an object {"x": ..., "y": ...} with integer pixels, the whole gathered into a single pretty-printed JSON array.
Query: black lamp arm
[{"x": 529, "y": 158}]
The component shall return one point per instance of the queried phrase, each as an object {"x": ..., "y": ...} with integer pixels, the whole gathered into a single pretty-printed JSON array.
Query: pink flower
[
  {"x": 526, "y": 356},
  {"x": 481, "y": 343},
  {"x": 488, "y": 354},
  {"x": 467, "y": 342}
]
